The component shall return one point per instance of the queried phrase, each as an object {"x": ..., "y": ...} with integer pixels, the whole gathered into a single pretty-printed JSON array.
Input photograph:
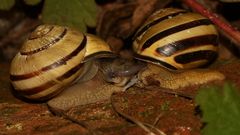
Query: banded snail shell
[
  {"x": 176, "y": 39},
  {"x": 51, "y": 59}
]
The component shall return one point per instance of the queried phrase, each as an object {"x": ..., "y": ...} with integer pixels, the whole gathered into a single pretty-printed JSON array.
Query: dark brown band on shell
[
  {"x": 181, "y": 45},
  {"x": 173, "y": 30},
  {"x": 195, "y": 56},
  {"x": 157, "y": 21},
  {"x": 53, "y": 65},
  {"x": 50, "y": 43},
  {"x": 155, "y": 61},
  {"x": 49, "y": 84},
  {"x": 44, "y": 98}
]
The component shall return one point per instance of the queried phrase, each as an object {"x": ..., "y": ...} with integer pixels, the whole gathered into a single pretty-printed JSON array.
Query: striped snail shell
[
  {"x": 176, "y": 39},
  {"x": 52, "y": 58}
]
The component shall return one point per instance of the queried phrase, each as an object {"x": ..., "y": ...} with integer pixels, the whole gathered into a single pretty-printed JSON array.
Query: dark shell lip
[
  {"x": 98, "y": 55},
  {"x": 155, "y": 61}
]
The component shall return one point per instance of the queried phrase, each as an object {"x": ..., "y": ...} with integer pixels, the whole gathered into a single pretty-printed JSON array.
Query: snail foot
[
  {"x": 155, "y": 75},
  {"x": 92, "y": 91}
]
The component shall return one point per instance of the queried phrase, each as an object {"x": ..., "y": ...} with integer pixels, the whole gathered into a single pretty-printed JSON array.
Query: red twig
[{"x": 224, "y": 26}]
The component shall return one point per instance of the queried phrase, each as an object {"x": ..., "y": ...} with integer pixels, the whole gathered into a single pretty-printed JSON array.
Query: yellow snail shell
[
  {"x": 177, "y": 39},
  {"x": 51, "y": 59}
]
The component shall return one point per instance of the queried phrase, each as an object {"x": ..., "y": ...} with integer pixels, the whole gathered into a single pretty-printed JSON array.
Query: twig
[
  {"x": 153, "y": 127},
  {"x": 170, "y": 91},
  {"x": 225, "y": 27},
  {"x": 63, "y": 114},
  {"x": 157, "y": 119}
]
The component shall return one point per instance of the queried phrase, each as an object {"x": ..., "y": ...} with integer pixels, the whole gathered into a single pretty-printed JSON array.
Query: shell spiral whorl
[
  {"x": 40, "y": 31},
  {"x": 176, "y": 39},
  {"x": 50, "y": 59}
]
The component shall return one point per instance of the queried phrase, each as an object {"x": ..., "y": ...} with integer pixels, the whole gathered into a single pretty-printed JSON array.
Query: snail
[
  {"x": 178, "y": 41},
  {"x": 57, "y": 59},
  {"x": 54, "y": 57},
  {"x": 174, "y": 43},
  {"x": 61, "y": 66}
]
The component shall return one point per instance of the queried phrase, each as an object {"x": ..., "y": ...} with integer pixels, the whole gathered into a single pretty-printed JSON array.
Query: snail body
[
  {"x": 178, "y": 41},
  {"x": 52, "y": 58}
]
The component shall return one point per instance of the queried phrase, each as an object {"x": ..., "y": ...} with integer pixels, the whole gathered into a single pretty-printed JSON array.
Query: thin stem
[{"x": 227, "y": 29}]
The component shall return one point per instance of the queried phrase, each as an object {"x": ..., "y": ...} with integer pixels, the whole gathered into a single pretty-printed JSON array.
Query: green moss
[
  {"x": 165, "y": 106},
  {"x": 146, "y": 113}
]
